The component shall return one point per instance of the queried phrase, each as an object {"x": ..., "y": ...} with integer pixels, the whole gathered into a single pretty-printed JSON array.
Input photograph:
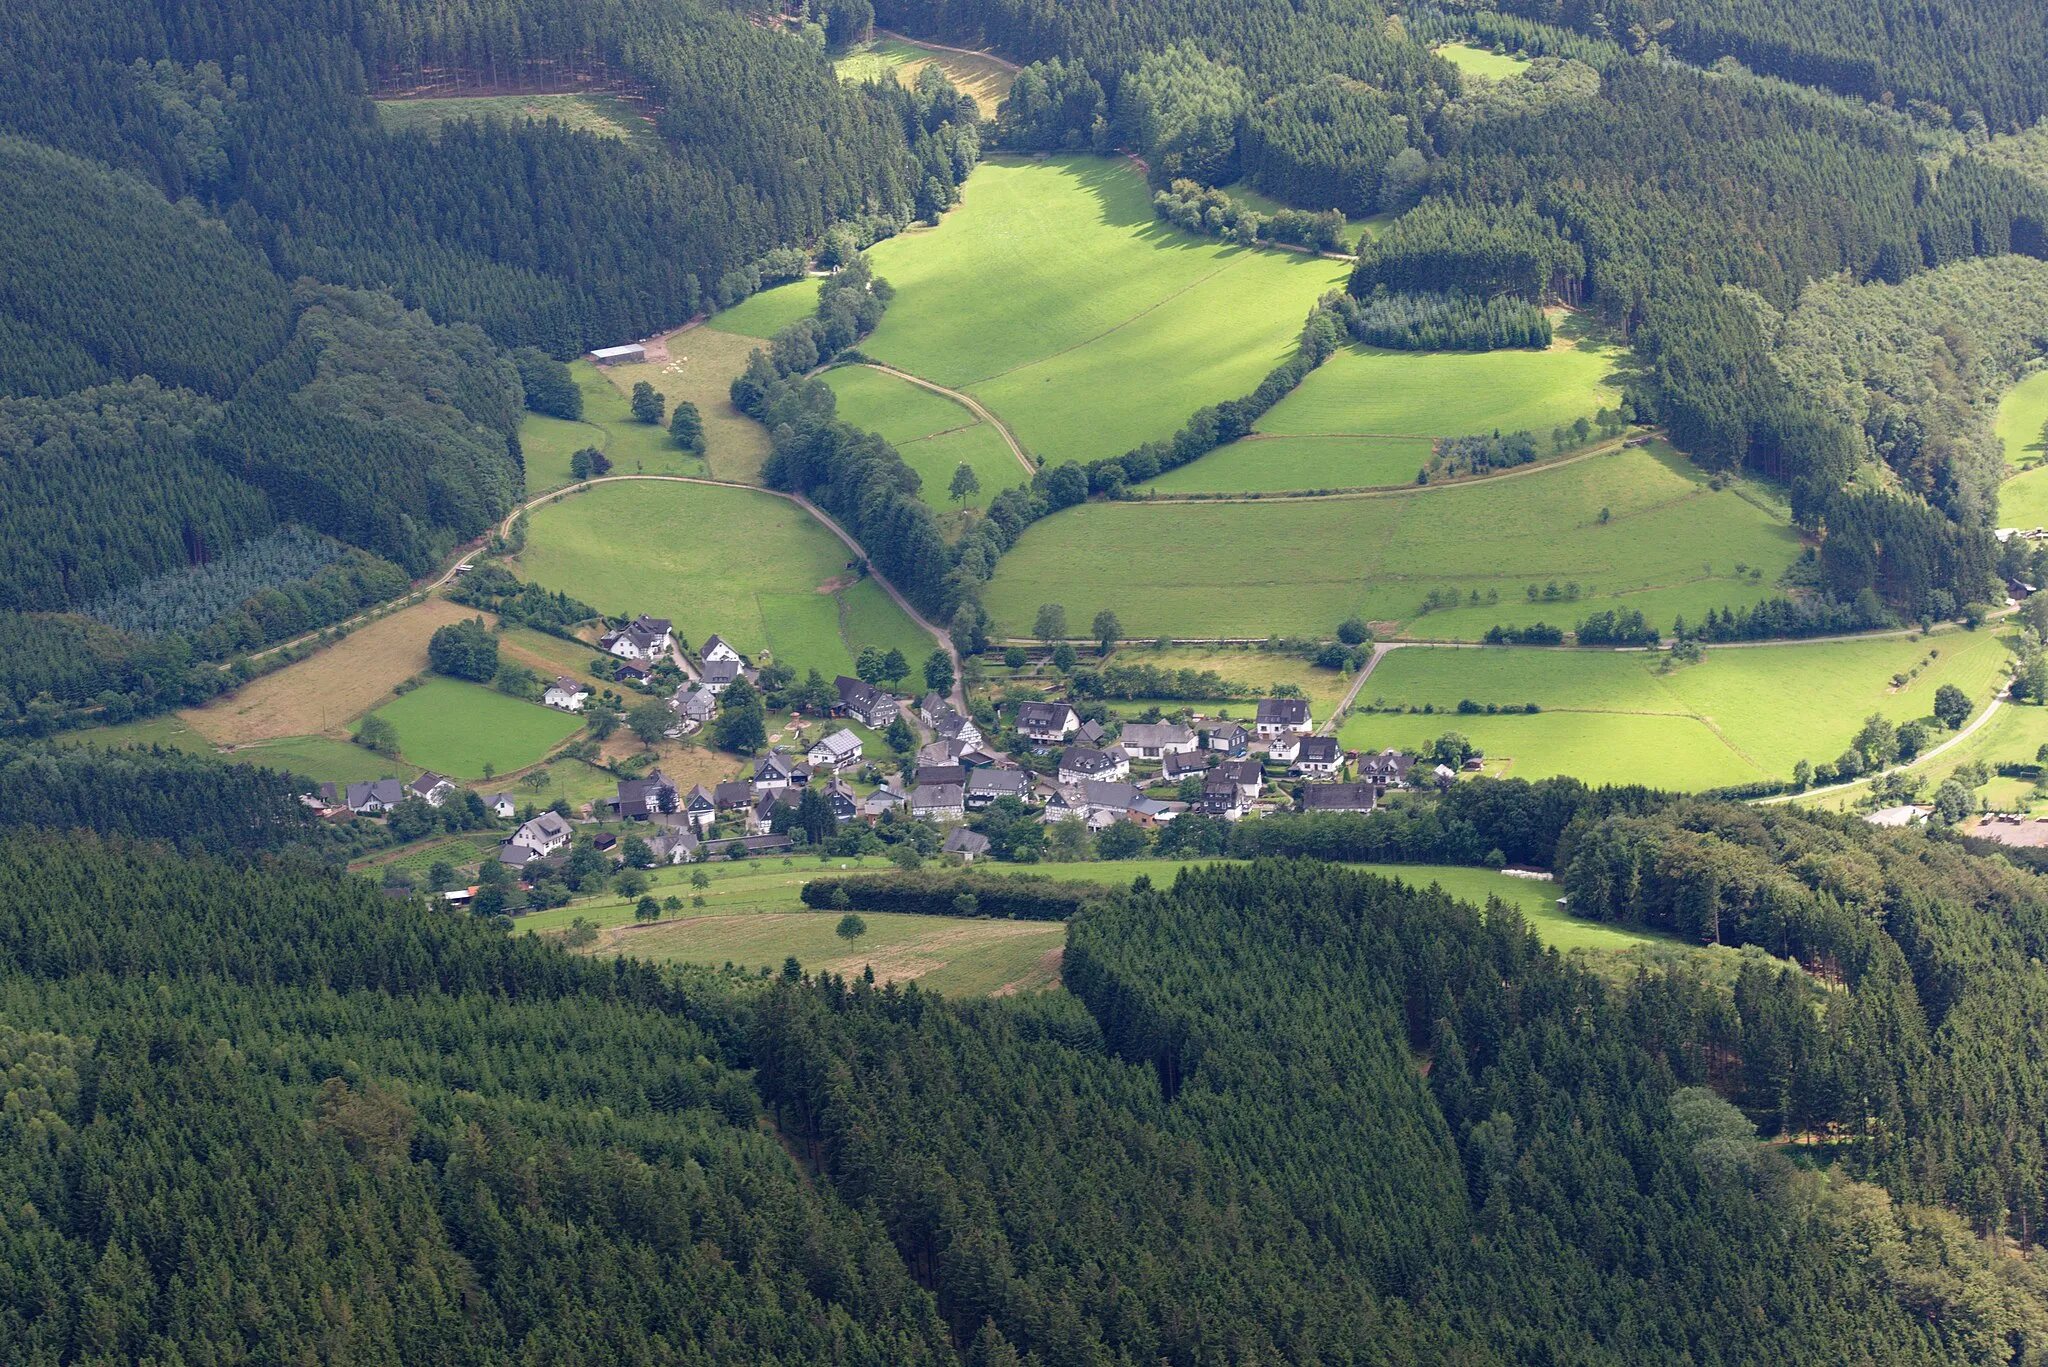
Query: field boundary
[
  {"x": 1605, "y": 448},
  {"x": 966, "y": 401}
]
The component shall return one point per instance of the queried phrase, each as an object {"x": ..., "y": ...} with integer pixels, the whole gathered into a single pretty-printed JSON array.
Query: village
[{"x": 860, "y": 769}]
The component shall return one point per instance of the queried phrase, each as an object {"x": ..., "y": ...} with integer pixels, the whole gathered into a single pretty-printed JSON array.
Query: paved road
[
  {"x": 967, "y": 401},
  {"x": 1379, "y": 652},
  {"x": 1957, "y": 739}
]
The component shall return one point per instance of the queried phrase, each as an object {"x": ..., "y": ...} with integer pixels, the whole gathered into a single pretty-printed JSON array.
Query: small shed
[{"x": 619, "y": 355}]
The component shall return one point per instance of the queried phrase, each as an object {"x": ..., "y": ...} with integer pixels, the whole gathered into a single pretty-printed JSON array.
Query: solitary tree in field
[
  {"x": 938, "y": 673},
  {"x": 966, "y": 484},
  {"x": 699, "y": 879},
  {"x": 686, "y": 425},
  {"x": 1108, "y": 631},
  {"x": 649, "y": 721},
  {"x": 647, "y": 909},
  {"x": 1951, "y": 706},
  {"x": 1051, "y": 624},
  {"x": 648, "y": 404},
  {"x": 850, "y": 928}
]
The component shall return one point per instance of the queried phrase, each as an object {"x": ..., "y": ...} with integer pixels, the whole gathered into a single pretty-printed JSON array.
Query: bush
[
  {"x": 1021, "y": 898},
  {"x": 464, "y": 650}
]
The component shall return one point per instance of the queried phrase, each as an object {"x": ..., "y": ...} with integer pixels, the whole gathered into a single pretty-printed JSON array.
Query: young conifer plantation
[{"x": 1712, "y": 1081}]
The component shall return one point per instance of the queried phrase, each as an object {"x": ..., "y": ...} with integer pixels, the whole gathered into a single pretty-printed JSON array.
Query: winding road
[{"x": 966, "y": 401}]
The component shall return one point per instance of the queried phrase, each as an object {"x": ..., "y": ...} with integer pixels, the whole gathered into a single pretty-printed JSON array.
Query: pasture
[
  {"x": 1265, "y": 465},
  {"x": 2023, "y": 499},
  {"x": 1109, "y": 328},
  {"x": 605, "y": 115},
  {"x": 1479, "y": 61},
  {"x": 1369, "y": 391},
  {"x": 331, "y": 686},
  {"x": 318, "y": 757},
  {"x": 546, "y": 444},
  {"x": 934, "y": 434},
  {"x": 1671, "y": 545},
  {"x": 1258, "y": 670},
  {"x": 985, "y": 78},
  {"x": 1744, "y": 714},
  {"x": 708, "y": 558},
  {"x": 760, "y": 316},
  {"x": 456, "y": 728},
  {"x": 700, "y": 367}
]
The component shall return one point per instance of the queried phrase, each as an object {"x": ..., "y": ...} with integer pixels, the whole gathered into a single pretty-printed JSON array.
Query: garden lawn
[
  {"x": 1670, "y": 547},
  {"x": 455, "y": 728},
  {"x": 743, "y": 564},
  {"x": 1056, "y": 297},
  {"x": 1261, "y": 464},
  {"x": 1479, "y": 61},
  {"x": 1365, "y": 390},
  {"x": 2023, "y": 499},
  {"x": 1743, "y": 714}
]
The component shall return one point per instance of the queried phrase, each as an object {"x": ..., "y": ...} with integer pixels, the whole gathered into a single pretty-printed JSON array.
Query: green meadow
[
  {"x": 1671, "y": 545},
  {"x": 456, "y": 728},
  {"x": 1743, "y": 714},
  {"x": 986, "y": 79},
  {"x": 546, "y": 444},
  {"x": 743, "y": 564},
  {"x": 763, "y": 315},
  {"x": 934, "y": 434},
  {"x": 1368, "y": 391},
  {"x": 1479, "y": 61},
  {"x": 605, "y": 115},
  {"x": 1055, "y": 297},
  {"x": 1261, "y": 464},
  {"x": 2023, "y": 499}
]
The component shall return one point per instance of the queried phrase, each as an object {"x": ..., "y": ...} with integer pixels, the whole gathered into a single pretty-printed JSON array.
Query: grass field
[
  {"x": 456, "y": 728},
  {"x": 546, "y": 444},
  {"x": 1257, "y": 669},
  {"x": 1276, "y": 464},
  {"x": 700, "y": 367},
  {"x": 332, "y": 686},
  {"x": 634, "y": 448},
  {"x": 1364, "y": 390},
  {"x": 320, "y": 757},
  {"x": 1742, "y": 715},
  {"x": 934, "y": 434},
  {"x": 1479, "y": 61},
  {"x": 869, "y": 617},
  {"x": 546, "y": 655},
  {"x": 730, "y": 561},
  {"x": 605, "y": 115},
  {"x": 2023, "y": 499},
  {"x": 760, "y": 316},
  {"x": 1094, "y": 293},
  {"x": 167, "y": 729},
  {"x": 986, "y": 80},
  {"x": 1670, "y": 547}
]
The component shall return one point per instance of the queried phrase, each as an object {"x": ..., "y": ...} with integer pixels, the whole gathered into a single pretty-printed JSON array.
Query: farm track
[
  {"x": 966, "y": 401},
  {"x": 1957, "y": 739},
  {"x": 1605, "y": 448},
  {"x": 987, "y": 56}
]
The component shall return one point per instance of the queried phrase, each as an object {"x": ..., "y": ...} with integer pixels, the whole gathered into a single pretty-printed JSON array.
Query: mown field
[
  {"x": 700, "y": 367},
  {"x": 934, "y": 434},
  {"x": 457, "y": 728},
  {"x": 605, "y": 115},
  {"x": 1108, "y": 328},
  {"x": 331, "y": 686},
  {"x": 1479, "y": 61},
  {"x": 1263, "y": 464},
  {"x": 986, "y": 79},
  {"x": 1368, "y": 391},
  {"x": 2023, "y": 499},
  {"x": 745, "y": 565},
  {"x": 1671, "y": 545},
  {"x": 1743, "y": 714}
]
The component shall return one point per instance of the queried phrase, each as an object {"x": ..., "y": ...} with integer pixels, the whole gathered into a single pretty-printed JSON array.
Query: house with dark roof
[
  {"x": 1091, "y": 733},
  {"x": 543, "y": 835},
  {"x": 939, "y": 802},
  {"x": 1227, "y": 737},
  {"x": 1283, "y": 748},
  {"x": 716, "y": 648},
  {"x": 1154, "y": 740},
  {"x": 761, "y": 815},
  {"x": 699, "y": 807},
  {"x": 501, "y": 805},
  {"x": 1319, "y": 755},
  {"x": 1174, "y": 767},
  {"x": 987, "y": 785},
  {"x": 1221, "y": 797},
  {"x": 696, "y": 706},
  {"x": 1047, "y": 723},
  {"x": 1248, "y": 774},
  {"x": 325, "y": 797},
  {"x": 942, "y": 773},
  {"x": 1337, "y": 797},
  {"x": 1280, "y": 716},
  {"x": 776, "y": 770},
  {"x": 566, "y": 693},
  {"x": 717, "y": 675},
  {"x": 675, "y": 846},
  {"x": 965, "y": 843},
  {"x": 629, "y": 673},
  {"x": 883, "y": 800},
  {"x": 845, "y": 802},
  {"x": 1079, "y": 763},
  {"x": 1388, "y": 769},
  {"x": 644, "y": 638},
  {"x": 375, "y": 797},
  {"x": 733, "y": 793},
  {"x": 864, "y": 702},
  {"x": 640, "y": 798}
]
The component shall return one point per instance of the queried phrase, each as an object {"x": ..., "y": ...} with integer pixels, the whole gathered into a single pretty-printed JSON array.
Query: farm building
[{"x": 630, "y": 354}]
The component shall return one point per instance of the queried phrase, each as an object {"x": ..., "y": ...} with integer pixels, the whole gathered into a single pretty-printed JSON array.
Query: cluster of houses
[{"x": 375, "y": 797}]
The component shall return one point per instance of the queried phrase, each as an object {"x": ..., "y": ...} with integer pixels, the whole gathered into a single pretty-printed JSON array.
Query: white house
[
  {"x": 1284, "y": 747},
  {"x": 1282, "y": 716},
  {"x": 1046, "y": 722},
  {"x": 566, "y": 693},
  {"x": 378, "y": 795},
  {"x": 1319, "y": 756},
  {"x": 1079, "y": 763},
  {"x": 543, "y": 835},
  {"x": 716, "y": 648},
  {"x": 939, "y": 802},
  {"x": 502, "y": 806},
  {"x": 643, "y": 638},
  {"x": 1156, "y": 740},
  {"x": 838, "y": 750},
  {"x": 431, "y": 788}
]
